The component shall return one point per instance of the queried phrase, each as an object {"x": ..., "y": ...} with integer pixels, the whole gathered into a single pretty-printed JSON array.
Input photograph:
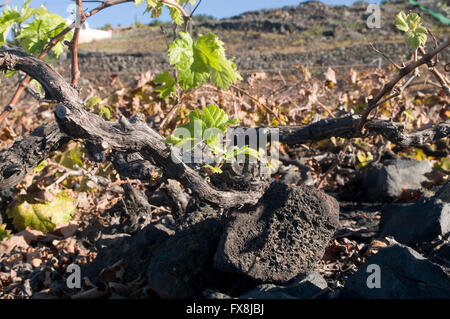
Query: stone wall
[{"x": 358, "y": 56}]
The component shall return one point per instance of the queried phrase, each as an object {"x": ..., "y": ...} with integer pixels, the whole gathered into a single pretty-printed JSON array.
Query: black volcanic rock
[
  {"x": 386, "y": 181},
  {"x": 182, "y": 267},
  {"x": 414, "y": 223},
  {"x": 306, "y": 288},
  {"x": 403, "y": 274},
  {"x": 283, "y": 238}
]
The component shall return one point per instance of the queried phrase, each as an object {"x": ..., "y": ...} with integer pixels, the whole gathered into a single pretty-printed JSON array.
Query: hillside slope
[
  {"x": 307, "y": 27},
  {"x": 311, "y": 33}
]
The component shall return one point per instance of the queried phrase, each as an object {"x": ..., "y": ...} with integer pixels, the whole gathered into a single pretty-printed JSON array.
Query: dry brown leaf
[
  {"x": 31, "y": 235},
  {"x": 143, "y": 79},
  {"x": 333, "y": 250},
  {"x": 6, "y": 134},
  {"x": 8, "y": 244},
  {"x": 256, "y": 76},
  {"x": 66, "y": 230},
  {"x": 378, "y": 244},
  {"x": 306, "y": 74},
  {"x": 67, "y": 245},
  {"x": 83, "y": 201},
  {"x": 104, "y": 203},
  {"x": 353, "y": 76},
  {"x": 374, "y": 247},
  {"x": 330, "y": 75}
]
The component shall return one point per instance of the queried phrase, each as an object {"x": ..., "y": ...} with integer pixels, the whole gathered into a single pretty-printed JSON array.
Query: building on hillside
[{"x": 88, "y": 35}]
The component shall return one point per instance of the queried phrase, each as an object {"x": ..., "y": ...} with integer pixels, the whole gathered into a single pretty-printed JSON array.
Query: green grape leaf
[
  {"x": 201, "y": 60},
  {"x": 181, "y": 56},
  {"x": 191, "y": 132},
  {"x": 413, "y": 20},
  {"x": 4, "y": 233},
  {"x": 44, "y": 217},
  {"x": 176, "y": 15},
  {"x": 105, "y": 112},
  {"x": 93, "y": 101},
  {"x": 34, "y": 36},
  {"x": 152, "y": 3},
  {"x": 210, "y": 52},
  {"x": 25, "y": 4},
  {"x": 443, "y": 164},
  {"x": 212, "y": 169},
  {"x": 235, "y": 151},
  {"x": 217, "y": 118},
  {"x": 7, "y": 20},
  {"x": 213, "y": 142},
  {"x": 251, "y": 152},
  {"x": 223, "y": 79},
  {"x": 12, "y": 17},
  {"x": 9, "y": 73},
  {"x": 411, "y": 24},
  {"x": 183, "y": 2},
  {"x": 400, "y": 22},
  {"x": 173, "y": 140},
  {"x": 72, "y": 157},
  {"x": 363, "y": 158},
  {"x": 189, "y": 79},
  {"x": 40, "y": 167},
  {"x": 37, "y": 86},
  {"x": 181, "y": 51},
  {"x": 415, "y": 39},
  {"x": 205, "y": 125},
  {"x": 98, "y": 106},
  {"x": 168, "y": 87},
  {"x": 155, "y": 7}
]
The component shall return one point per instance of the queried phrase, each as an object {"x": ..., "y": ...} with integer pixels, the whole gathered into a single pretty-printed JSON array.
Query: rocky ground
[
  {"x": 138, "y": 240},
  {"x": 297, "y": 242},
  {"x": 312, "y": 34}
]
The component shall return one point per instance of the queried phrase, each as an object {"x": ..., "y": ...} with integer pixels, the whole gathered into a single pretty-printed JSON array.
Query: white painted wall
[{"x": 88, "y": 35}]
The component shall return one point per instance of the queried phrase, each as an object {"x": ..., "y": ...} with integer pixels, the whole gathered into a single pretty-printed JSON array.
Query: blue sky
[{"x": 127, "y": 13}]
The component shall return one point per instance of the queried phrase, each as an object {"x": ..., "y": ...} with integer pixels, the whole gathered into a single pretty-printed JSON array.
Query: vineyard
[{"x": 301, "y": 161}]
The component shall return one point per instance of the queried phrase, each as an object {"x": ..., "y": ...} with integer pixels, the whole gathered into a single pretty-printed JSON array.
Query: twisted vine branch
[
  {"x": 75, "y": 122},
  {"x": 126, "y": 136}
]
